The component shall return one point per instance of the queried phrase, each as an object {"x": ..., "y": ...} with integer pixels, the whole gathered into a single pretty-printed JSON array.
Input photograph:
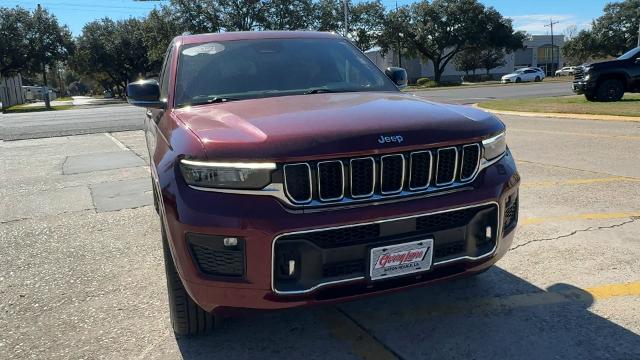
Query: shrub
[{"x": 423, "y": 81}]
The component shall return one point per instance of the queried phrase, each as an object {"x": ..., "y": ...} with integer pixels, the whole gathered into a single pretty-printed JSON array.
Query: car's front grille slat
[
  {"x": 446, "y": 166},
  {"x": 326, "y": 182},
  {"x": 470, "y": 161},
  {"x": 391, "y": 174},
  {"x": 330, "y": 180}
]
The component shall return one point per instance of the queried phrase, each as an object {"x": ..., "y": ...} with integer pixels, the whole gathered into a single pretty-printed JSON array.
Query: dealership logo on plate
[{"x": 401, "y": 257}]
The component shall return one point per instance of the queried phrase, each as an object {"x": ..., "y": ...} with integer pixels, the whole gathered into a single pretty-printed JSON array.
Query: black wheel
[
  {"x": 518, "y": 80},
  {"x": 187, "y": 318},
  {"x": 590, "y": 97},
  {"x": 538, "y": 79},
  {"x": 610, "y": 90}
]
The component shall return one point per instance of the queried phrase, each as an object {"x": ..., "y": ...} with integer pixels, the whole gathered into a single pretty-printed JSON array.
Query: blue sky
[{"x": 530, "y": 15}]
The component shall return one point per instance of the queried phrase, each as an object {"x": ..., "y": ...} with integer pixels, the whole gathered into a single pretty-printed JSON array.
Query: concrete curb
[{"x": 562, "y": 115}]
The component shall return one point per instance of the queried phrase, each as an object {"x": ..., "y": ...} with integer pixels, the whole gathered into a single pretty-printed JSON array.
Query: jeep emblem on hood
[{"x": 388, "y": 139}]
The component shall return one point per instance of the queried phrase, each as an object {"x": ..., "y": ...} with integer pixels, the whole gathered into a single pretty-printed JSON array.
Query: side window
[{"x": 164, "y": 74}]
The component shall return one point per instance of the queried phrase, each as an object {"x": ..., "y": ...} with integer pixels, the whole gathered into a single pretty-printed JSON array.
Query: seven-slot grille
[{"x": 379, "y": 176}]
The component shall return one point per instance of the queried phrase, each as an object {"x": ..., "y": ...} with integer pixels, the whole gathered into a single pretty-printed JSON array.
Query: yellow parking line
[
  {"x": 537, "y": 184},
  {"x": 592, "y": 216},
  {"x": 614, "y": 290}
]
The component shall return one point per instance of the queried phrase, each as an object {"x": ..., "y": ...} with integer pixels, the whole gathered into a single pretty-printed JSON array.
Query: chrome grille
[
  {"x": 330, "y": 180},
  {"x": 470, "y": 159},
  {"x": 420, "y": 170},
  {"x": 377, "y": 177},
  {"x": 446, "y": 166},
  {"x": 362, "y": 175},
  {"x": 297, "y": 179},
  {"x": 391, "y": 174}
]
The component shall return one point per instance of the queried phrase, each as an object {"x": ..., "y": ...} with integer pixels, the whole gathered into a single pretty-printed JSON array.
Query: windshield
[
  {"x": 633, "y": 53},
  {"x": 246, "y": 69}
]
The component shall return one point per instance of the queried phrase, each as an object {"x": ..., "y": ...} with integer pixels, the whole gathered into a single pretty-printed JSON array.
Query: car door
[{"x": 529, "y": 75}]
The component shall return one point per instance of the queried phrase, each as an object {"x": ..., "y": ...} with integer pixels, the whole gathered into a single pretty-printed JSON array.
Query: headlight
[
  {"x": 587, "y": 77},
  {"x": 495, "y": 146},
  {"x": 227, "y": 175}
]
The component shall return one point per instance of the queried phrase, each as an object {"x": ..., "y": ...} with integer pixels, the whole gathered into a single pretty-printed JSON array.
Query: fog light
[
  {"x": 292, "y": 267},
  {"x": 230, "y": 241},
  {"x": 487, "y": 232}
]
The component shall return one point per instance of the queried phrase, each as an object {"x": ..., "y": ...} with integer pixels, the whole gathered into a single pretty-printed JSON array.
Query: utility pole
[
  {"x": 553, "y": 48},
  {"x": 346, "y": 17},
  {"x": 399, "y": 44},
  {"x": 639, "y": 27}
]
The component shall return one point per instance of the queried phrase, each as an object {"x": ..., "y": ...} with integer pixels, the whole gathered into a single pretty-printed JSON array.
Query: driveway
[{"x": 81, "y": 274}]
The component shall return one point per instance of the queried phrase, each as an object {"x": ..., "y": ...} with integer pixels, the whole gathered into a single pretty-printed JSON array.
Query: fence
[{"x": 11, "y": 91}]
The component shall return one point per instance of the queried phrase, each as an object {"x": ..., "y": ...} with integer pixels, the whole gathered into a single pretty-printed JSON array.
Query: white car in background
[
  {"x": 523, "y": 75},
  {"x": 567, "y": 70}
]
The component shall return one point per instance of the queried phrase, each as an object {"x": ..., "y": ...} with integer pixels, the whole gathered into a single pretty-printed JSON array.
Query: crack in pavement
[{"x": 589, "y": 229}]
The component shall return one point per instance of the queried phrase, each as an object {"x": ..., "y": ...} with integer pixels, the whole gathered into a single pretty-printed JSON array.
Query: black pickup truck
[{"x": 609, "y": 80}]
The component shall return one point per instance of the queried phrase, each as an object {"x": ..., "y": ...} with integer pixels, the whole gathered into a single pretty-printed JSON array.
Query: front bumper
[
  {"x": 581, "y": 87},
  {"x": 260, "y": 220}
]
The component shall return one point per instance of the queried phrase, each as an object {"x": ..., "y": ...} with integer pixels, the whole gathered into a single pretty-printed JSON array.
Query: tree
[
  {"x": 48, "y": 43},
  {"x": 581, "y": 48},
  {"x": 289, "y": 15},
  {"x": 113, "y": 52},
  {"x": 441, "y": 29},
  {"x": 492, "y": 58},
  {"x": 366, "y": 23},
  {"x": 243, "y": 15},
  {"x": 195, "y": 16},
  {"x": 14, "y": 26},
  {"x": 329, "y": 16},
  {"x": 160, "y": 28},
  {"x": 468, "y": 60},
  {"x": 617, "y": 30},
  {"x": 612, "y": 34}
]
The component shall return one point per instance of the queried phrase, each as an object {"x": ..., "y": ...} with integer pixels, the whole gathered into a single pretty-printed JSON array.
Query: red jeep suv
[{"x": 288, "y": 170}]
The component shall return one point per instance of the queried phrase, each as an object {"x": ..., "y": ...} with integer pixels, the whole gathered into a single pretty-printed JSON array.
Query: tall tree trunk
[
  {"x": 437, "y": 73},
  {"x": 45, "y": 91}
]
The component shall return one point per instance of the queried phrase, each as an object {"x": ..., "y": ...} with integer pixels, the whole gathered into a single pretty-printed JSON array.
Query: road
[
  {"x": 81, "y": 274},
  {"x": 473, "y": 94},
  {"x": 122, "y": 117},
  {"x": 87, "y": 120}
]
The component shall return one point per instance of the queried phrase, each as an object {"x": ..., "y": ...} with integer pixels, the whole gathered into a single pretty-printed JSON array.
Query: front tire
[
  {"x": 590, "y": 97},
  {"x": 187, "y": 317},
  {"x": 518, "y": 80},
  {"x": 610, "y": 90}
]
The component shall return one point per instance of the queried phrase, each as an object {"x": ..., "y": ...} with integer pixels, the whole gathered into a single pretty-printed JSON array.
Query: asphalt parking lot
[{"x": 81, "y": 272}]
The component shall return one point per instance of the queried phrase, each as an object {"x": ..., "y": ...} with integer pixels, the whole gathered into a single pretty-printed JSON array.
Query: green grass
[
  {"x": 27, "y": 109},
  {"x": 628, "y": 106}
]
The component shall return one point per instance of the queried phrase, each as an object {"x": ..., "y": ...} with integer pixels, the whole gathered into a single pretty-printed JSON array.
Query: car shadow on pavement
[{"x": 495, "y": 315}]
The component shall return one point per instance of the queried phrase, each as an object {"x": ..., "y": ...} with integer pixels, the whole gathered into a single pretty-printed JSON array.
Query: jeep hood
[{"x": 318, "y": 126}]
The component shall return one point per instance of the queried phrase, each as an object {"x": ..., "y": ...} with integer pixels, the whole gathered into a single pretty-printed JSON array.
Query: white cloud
[{"x": 535, "y": 23}]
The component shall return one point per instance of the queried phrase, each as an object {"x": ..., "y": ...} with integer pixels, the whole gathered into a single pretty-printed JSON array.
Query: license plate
[{"x": 401, "y": 259}]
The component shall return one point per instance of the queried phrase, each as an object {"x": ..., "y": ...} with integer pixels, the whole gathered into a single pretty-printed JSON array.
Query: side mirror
[
  {"x": 398, "y": 76},
  {"x": 145, "y": 93}
]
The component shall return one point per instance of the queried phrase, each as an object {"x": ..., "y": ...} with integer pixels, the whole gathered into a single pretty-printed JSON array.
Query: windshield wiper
[
  {"x": 321, "y": 90},
  {"x": 201, "y": 100}
]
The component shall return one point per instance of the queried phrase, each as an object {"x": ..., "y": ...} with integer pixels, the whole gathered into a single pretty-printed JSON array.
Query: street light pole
[
  {"x": 346, "y": 18},
  {"x": 553, "y": 48}
]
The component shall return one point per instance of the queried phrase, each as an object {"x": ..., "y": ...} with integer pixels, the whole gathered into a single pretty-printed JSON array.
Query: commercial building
[{"x": 537, "y": 52}]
